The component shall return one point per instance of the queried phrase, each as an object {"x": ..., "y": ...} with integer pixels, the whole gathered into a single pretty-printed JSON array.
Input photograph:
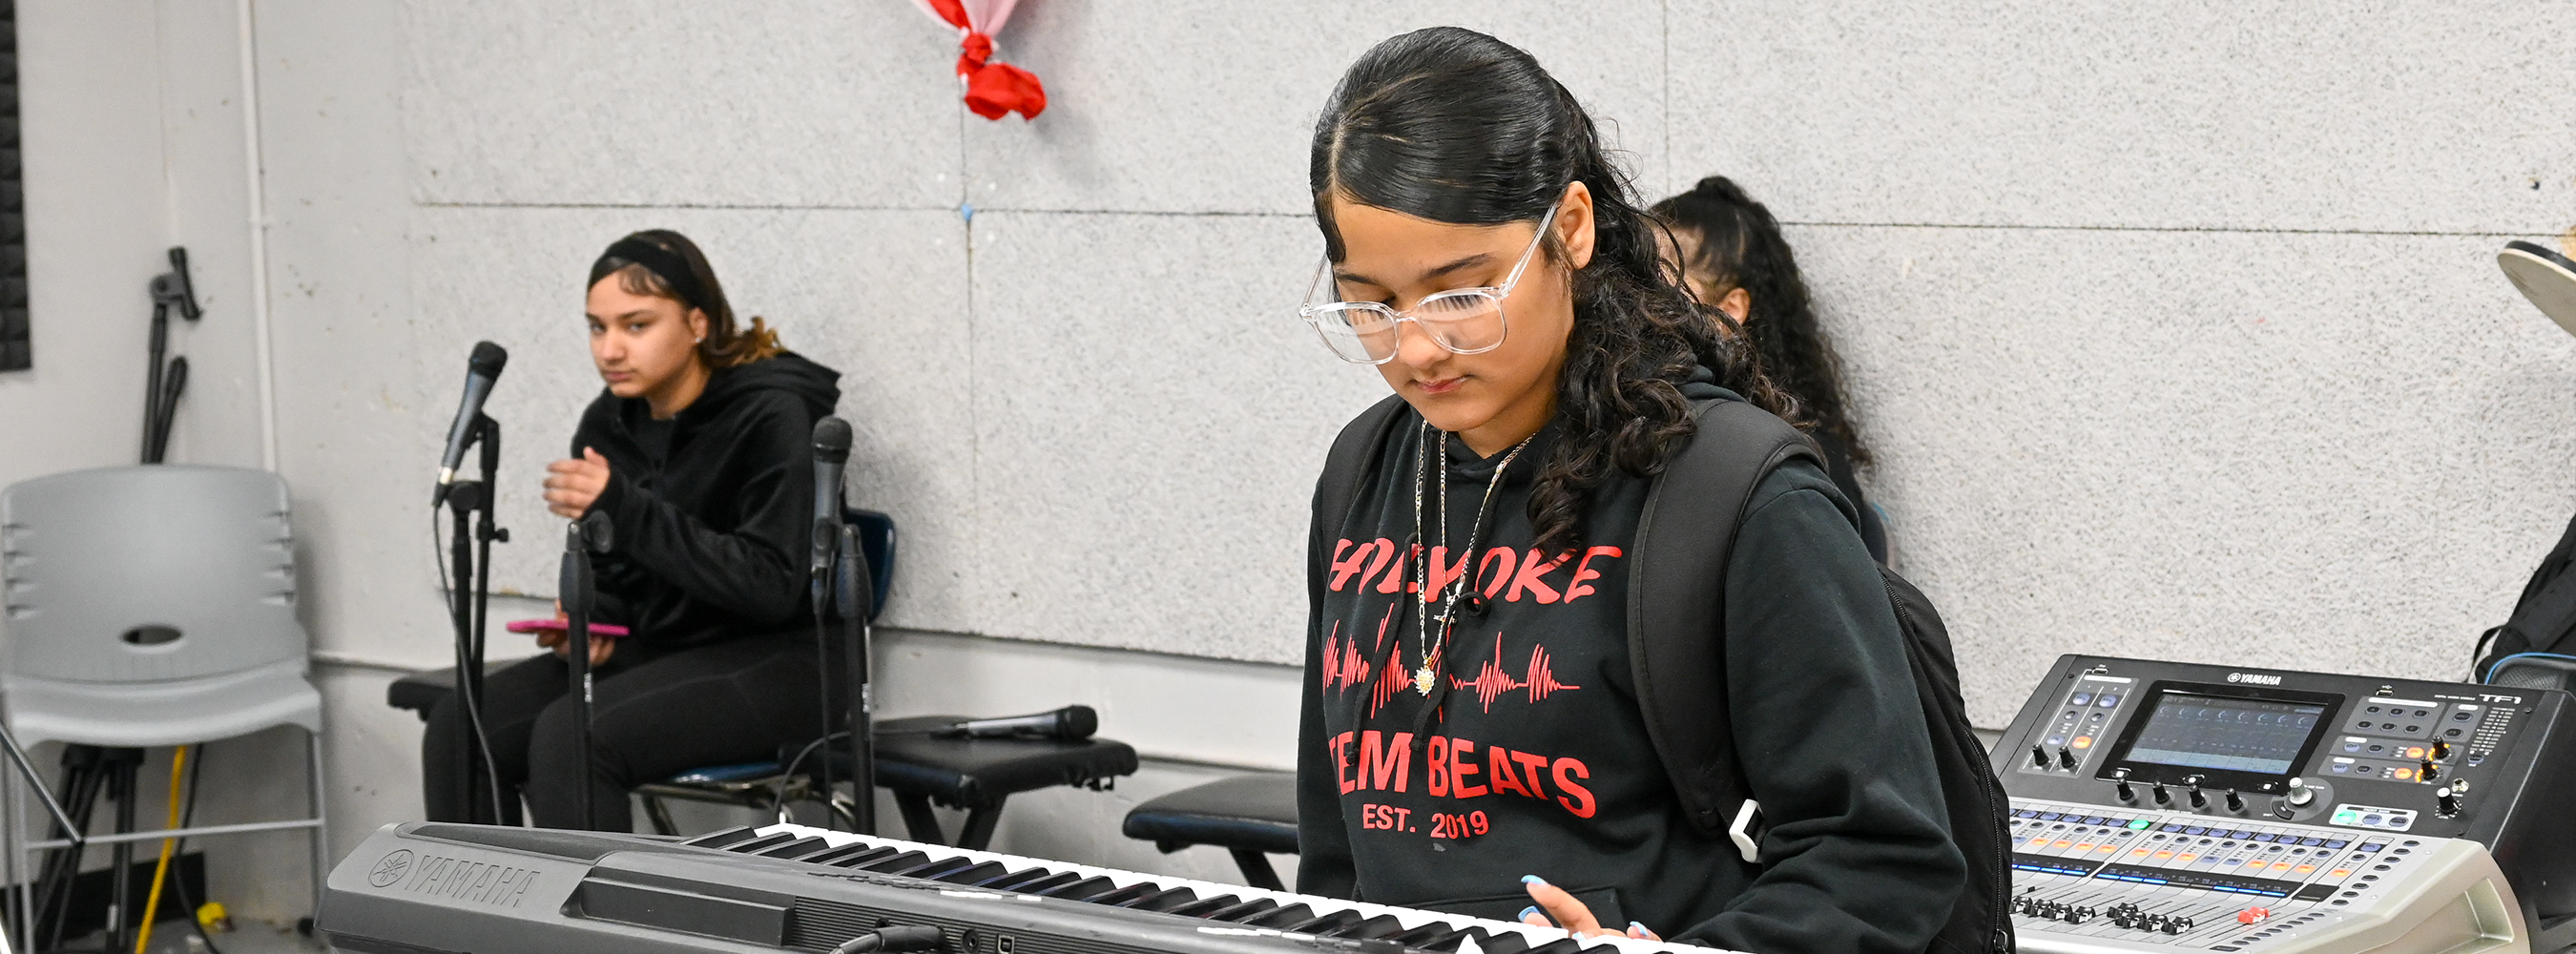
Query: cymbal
[{"x": 2545, "y": 277}]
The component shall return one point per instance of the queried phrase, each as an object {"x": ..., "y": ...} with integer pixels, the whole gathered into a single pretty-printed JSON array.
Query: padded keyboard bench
[
  {"x": 1248, "y": 816},
  {"x": 977, "y": 775}
]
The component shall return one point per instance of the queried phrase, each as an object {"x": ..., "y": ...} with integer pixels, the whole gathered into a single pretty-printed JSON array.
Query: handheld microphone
[
  {"x": 481, "y": 370},
  {"x": 1070, "y": 724},
  {"x": 831, "y": 450}
]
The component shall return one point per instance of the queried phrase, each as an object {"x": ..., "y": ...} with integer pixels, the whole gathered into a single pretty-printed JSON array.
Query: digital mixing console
[{"x": 2165, "y": 807}]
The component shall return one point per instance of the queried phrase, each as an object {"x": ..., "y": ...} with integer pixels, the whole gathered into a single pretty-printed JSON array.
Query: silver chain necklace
[{"x": 1423, "y": 566}]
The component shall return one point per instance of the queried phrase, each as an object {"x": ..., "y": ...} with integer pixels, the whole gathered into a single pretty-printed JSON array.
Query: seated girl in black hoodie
[
  {"x": 700, "y": 452},
  {"x": 1471, "y": 739}
]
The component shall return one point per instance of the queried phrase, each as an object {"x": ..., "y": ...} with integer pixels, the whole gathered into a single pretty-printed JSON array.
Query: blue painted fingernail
[
  {"x": 1532, "y": 879},
  {"x": 1637, "y": 927},
  {"x": 1526, "y": 912}
]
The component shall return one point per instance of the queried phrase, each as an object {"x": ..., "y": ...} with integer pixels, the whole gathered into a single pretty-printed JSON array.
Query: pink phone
[{"x": 557, "y": 626}]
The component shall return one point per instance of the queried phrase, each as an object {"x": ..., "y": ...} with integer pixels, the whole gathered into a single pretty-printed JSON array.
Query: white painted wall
[
  {"x": 2176, "y": 327},
  {"x": 132, "y": 142}
]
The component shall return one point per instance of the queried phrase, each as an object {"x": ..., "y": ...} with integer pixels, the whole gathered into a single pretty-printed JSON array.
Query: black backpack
[
  {"x": 1681, "y": 685},
  {"x": 2543, "y": 620}
]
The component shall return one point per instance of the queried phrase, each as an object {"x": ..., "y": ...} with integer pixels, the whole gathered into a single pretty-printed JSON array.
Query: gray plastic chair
[{"x": 152, "y": 606}]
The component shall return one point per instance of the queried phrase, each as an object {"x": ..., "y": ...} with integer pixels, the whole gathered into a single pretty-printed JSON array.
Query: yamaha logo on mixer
[{"x": 2257, "y": 679}]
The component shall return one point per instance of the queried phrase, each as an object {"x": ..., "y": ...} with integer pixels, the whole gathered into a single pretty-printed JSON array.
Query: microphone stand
[
  {"x": 471, "y": 504},
  {"x": 23, "y": 900},
  {"x": 855, "y": 594},
  {"x": 581, "y": 538}
]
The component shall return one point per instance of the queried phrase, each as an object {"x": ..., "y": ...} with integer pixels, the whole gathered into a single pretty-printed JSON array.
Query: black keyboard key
[
  {"x": 1249, "y": 909},
  {"x": 1429, "y": 937},
  {"x": 975, "y": 873},
  {"x": 796, "y": 849},
  {"x": 1384, "y": 925},
  {"x": 723, "y": 839},
  {"x": 1040, "y": 884},
  {"x": 937, "y": 866},
  {"x": 1164, "y": 900},
  {"x": 1206, "y": 906},
  {"x": 896, "y": 862},
  {"x": 1282, "y": 918},
  {"x": 1507, "y": 942},
  {"x": 1125, "y": 894},
  {"x": 1083, "y": 890},
  {"x": 1559, "y": 946},
  {"x": 868, "y": 857},
  {"x": 761, "y": 844},
  {"x": 841, "y": 854},
  {"x": 1326, "y": 924}
]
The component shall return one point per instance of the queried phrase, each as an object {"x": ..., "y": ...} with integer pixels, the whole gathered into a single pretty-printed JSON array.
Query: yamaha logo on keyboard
[
  {"x": 457, "y": 878},
  {"x": 2254, "y": 678},
  {"x": 391, "y": 868}
]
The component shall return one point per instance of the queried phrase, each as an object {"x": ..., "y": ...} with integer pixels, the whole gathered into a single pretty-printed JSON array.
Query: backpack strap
[
  {"x": 2544, "y": 616},
  {"x": 1354, "y": 454},
  {"x": 1677, "y": 604}
]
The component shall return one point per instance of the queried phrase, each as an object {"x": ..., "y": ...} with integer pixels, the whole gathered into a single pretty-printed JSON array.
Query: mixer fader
[{"x": 2175, "y": 807}]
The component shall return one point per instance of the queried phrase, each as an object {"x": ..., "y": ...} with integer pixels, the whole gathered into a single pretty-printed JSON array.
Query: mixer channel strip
[
  {"x": 2223, "y": 888},
  {"x": 1222, "y": 907}
]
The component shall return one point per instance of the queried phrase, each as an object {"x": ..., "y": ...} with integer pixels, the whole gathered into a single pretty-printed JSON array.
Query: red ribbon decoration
[{"x": 993, "y": 90}]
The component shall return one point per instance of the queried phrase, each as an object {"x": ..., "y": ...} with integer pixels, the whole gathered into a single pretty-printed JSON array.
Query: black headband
[{"x": 662, "y": 262}]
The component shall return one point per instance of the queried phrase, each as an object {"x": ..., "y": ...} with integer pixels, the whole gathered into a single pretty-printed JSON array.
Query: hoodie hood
[
  {"x": 819, "y": 387},
  {"x": 814, "y": 385}
]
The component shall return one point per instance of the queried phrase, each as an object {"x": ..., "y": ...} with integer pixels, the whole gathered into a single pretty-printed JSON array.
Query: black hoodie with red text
[
  {"x": 1530, "y": 755},
  {"x": 712, "y": 511}
]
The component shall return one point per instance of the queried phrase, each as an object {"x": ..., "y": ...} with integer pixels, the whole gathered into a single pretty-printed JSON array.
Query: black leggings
[{"x": 728, "y": 703}]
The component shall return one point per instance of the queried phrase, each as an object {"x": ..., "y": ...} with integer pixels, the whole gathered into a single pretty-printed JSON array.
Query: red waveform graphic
[
  {"x": 1388, "y": 683},
  {"x": 1491, "y": 681},
  {"x": 1344, "y": 666},
  {"x": 1342, "y": 663}
]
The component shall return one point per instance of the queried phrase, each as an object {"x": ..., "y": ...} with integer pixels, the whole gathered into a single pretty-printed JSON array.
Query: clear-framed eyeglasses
[{"x": 1462, "y": 320}]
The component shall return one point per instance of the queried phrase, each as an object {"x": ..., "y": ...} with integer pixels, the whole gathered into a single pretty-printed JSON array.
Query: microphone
[
  {"x": 1070, "y": 724},
  {"x": 481, "y": 370},
  {"x": 831, "y": 450}
]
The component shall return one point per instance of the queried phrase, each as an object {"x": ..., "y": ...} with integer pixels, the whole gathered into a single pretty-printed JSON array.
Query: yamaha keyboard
[{"x": 433, "y": 888}]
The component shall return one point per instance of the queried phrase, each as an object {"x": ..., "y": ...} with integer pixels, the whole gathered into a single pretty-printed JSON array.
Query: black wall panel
[{"x": 16, "y": 352}]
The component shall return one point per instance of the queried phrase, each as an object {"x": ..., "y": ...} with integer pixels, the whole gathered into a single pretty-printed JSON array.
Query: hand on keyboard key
[{"x": 1556, "y": 908}]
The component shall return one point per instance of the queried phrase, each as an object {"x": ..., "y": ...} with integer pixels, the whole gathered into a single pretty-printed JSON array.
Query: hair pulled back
[
  {"x": 1455, "y": 126},
  {"x": 1741, "y": 245},
  {"x": 726, "y": 344}
]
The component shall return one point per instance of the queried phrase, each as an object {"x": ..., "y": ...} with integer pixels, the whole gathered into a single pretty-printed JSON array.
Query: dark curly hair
[
  {"x": 1740, "y": 244},
  {"x": 1455, "y": 126}
]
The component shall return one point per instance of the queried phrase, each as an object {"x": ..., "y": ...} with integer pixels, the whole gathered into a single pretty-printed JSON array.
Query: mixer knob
[
  {"x": 2120, "y": 785},
  {"x": 2441, "y": 749},
  {"x": 2065, "y": 758},
  {"x": 2300, "y": 794},
  {"x": 2235, "y": 802},
  {"x": 2198, "y": 800},
  {"x": 2428, "y": 771},
  {"x": 2446, "y": 802},
  {"x": 2038, "y": 756},
  {"x": 2162, "y": 797}
]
